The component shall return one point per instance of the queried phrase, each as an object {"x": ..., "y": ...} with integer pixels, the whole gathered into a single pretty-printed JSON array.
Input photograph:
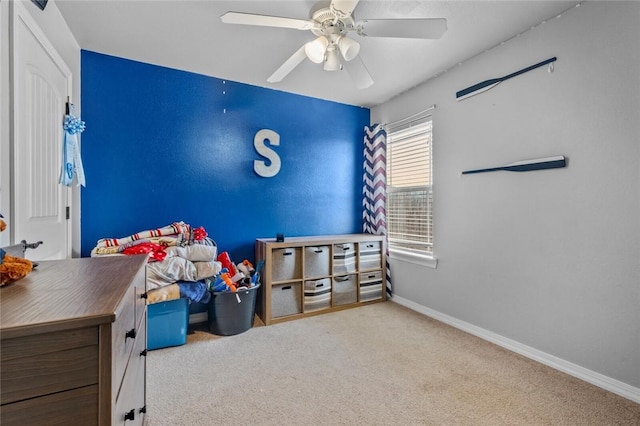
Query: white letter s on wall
[{"x": 259, "y": 142}]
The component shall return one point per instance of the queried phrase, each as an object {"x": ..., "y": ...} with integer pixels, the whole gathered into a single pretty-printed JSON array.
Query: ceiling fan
[{"x": 331, "y": 24}]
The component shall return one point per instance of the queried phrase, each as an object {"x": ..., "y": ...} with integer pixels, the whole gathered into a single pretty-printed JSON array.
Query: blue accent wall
[{"x": 163, "y": 145}]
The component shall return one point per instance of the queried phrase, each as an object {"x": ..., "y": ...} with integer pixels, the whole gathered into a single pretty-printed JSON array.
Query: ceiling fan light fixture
[
  {"x": 316, "y": 49},
  {"x": 330, "y": 25},
  {"x": 332, "y": 61},
  {"x": 348, "y": 47}
]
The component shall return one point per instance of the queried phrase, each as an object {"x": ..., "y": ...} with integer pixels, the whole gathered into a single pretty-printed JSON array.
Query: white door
[{"x": 42, "y": 85}]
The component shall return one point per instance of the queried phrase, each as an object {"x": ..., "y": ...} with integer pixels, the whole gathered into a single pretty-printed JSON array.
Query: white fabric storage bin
[
  {"x": 286, "y": 264},
  {"x": 370, "y": 255},
  {"x": 317, "y": 294},
  {"x": 371, "y": 286},
  {"x": 286, "y": 299},
  {"x": 316, "y": 261},
  {"x": 344, "y": 258},
  {"x": 345, "y": 290}
]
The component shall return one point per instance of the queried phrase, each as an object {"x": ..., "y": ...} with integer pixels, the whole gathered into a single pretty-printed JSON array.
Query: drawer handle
[
  {"x": 318, "y": 251},
  {"x": 143, "y": 353},
  {"x": 131, "y": 415},
  {"x": 287, "y": 253},
  {"x": 130, "y": 334},
  {"x": 287, "y": 287}
]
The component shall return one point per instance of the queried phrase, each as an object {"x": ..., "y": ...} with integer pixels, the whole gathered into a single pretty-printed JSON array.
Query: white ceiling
[{"x": 189, "y": 35}]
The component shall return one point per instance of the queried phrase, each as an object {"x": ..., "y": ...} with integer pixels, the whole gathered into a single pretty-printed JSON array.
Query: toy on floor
[{"x": 12, "y": 268}]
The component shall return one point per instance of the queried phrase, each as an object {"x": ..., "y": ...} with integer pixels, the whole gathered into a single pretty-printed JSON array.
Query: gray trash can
[{"x": 232, "y": 312}]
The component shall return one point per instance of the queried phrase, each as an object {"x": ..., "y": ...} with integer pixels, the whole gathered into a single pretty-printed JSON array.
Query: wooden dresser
[{"x": 73, "y": 344}]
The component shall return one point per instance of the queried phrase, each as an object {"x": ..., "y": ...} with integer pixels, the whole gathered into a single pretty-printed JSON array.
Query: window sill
[{"x": 418, "y": 259}]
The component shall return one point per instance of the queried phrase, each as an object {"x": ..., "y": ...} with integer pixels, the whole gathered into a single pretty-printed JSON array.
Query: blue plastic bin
[{"x": 167, "y": 323}]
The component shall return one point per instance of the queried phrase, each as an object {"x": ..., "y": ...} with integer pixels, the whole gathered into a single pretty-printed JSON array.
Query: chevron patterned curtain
[{"x": 374, "y": 188}]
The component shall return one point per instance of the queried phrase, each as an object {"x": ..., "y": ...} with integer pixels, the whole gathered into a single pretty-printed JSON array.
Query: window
[{"x": 409, "y": 188}]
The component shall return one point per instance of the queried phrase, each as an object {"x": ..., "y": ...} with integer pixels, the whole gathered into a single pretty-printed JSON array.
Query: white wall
[
  {"x": 549, "y": 259},
  {"x": 52, "y": 23}
]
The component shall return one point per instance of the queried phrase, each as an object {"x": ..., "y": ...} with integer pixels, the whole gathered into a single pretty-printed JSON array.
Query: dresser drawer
[
  {"x": 130, "y": 403},
  {"x": 124, "y": 334},
  {"x": 74, "y": 407},
  {"x": 140, "y": 299},
  {"x": 41, "y": 364}
]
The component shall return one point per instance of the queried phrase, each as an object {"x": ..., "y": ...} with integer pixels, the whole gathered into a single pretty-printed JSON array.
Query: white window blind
[{"x": 409, "y": 187}]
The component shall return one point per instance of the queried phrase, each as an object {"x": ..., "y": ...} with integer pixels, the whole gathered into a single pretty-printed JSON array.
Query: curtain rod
[{"x": 411, "y": 117}]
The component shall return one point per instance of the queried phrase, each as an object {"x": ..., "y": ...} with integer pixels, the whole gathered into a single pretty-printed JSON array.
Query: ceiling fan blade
[
  {"x": 267, "y": 21},
  {"x": 428, "y": 28},
  {"x": 358, "y": 73},
  {"x": 288, "y": 66},
  {"x": 344, "y": 6}
]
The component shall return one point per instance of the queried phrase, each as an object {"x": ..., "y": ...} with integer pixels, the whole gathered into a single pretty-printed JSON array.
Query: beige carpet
[{"x": 380, "y": 364}]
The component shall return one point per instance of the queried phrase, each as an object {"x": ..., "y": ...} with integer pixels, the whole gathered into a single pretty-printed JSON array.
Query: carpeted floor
[{"x": 380, "y": 364}]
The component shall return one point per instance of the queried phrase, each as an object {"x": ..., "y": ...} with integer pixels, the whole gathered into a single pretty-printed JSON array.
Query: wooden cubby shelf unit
[{"x": 305, "y": 276}]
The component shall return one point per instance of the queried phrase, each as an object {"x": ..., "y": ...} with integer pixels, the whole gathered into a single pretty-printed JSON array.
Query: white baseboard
[
  {"x": 198, "y": 317},
  {"x": 620, "y": 388}
]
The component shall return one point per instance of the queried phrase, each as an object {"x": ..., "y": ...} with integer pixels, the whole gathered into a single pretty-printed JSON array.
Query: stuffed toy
[{"x": 12, "y": 268}]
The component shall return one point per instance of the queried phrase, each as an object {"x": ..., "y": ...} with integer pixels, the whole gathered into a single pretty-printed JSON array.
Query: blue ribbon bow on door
[{"x": 71, "y": 161}]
